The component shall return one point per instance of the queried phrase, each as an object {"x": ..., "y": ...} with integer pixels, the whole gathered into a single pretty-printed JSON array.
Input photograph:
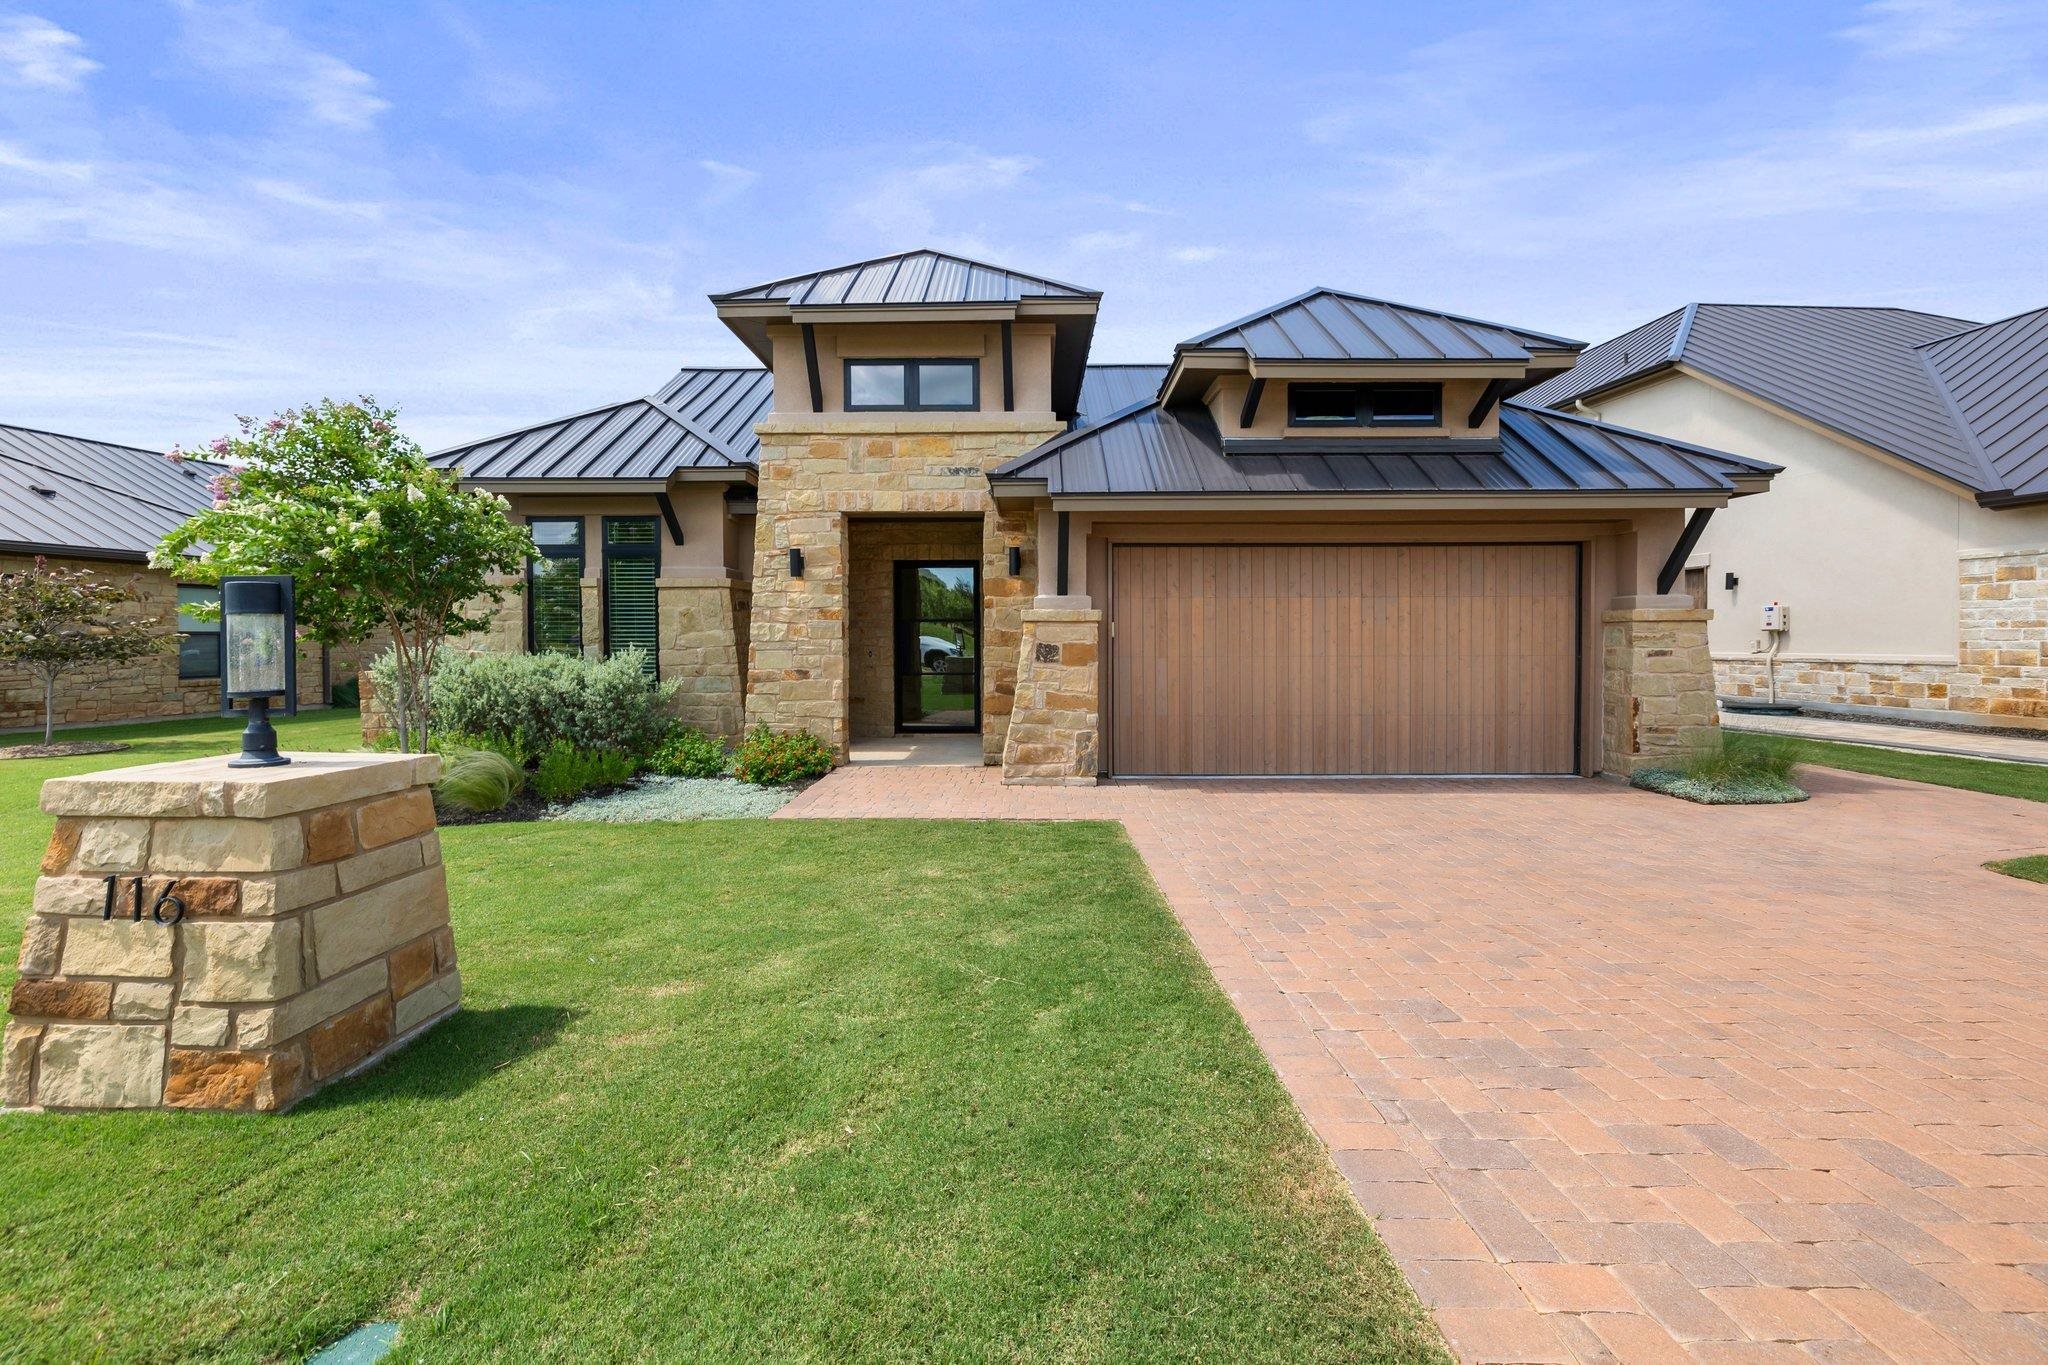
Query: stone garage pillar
[
  {"x": 207, "y": 937},
  {"x": 1658, "y": 703},
  {"x": 1055, "y": 728}
]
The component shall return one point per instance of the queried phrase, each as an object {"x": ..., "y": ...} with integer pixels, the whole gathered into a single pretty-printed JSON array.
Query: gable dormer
[
  {"x": 1333, "y": 366},
  {"x": 918, "y": 332}
]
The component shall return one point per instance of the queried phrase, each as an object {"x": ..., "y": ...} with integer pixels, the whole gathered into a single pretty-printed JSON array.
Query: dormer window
[
  {"x": 1365, "y": 405},
  {"x": 913, "y": 385}
]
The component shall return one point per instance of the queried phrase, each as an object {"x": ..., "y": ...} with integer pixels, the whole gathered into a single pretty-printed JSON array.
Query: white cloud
[
  {"x": 905, "y": 206},
  {"x": 728, "y": 182},
  {"x": 1093, "y": 243},
  {"x": 35, "y": 52},
  {"x": 1913, "y": 28},
  {"x": 1196, "y": 255},
  {"x": 235, "y": 40}
]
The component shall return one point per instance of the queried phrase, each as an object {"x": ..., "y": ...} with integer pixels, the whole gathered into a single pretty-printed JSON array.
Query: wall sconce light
[
  {"x": 1016, "y": 560},
  {"x": 1729, "y": 581},
  {"x": 259, "y": 660},
  {"x": 796, "y": 562}
]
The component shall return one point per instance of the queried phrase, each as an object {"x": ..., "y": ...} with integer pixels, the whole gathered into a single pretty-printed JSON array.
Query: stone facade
[
  {"x": 148, "y": 688},
  {"x": 1055, "y": 731},
  {"x": 1657, "y": 699},
  {"x": 816, "y": 473},
  {"x": 875, "y": 548},
  {"x": 314, "y": 936},
  {"x": 701, "y": 640},
  {"x": 2001, "y": 672}
]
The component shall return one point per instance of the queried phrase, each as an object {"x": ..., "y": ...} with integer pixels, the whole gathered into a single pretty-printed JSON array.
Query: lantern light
[{"x": 259, "y": 660}]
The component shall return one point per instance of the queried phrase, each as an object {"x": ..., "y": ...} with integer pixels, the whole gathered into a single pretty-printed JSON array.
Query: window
[
  {"x": 198, "y": 638},
  {"x": 913, "y": 385},
  {"x": 1364, "y": 405},
  {"x": 632, "y": 561},
  {"x": 554, "y": 586}
]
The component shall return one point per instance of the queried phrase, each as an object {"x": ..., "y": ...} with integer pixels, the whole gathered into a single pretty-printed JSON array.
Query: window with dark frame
[
  {"x": 198, "y": 637},
  {"x": 554, "y": 586},
  {"x": 1365, "y": 405},
  {"x": 913, "y": 385},
  {"x": 632, "y": 563}
]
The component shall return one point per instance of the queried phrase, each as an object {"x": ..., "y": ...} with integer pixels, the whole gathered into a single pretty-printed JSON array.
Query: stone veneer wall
[
  {"x": 145, "y": 689},
  {"x": 1658, "y": 692},
  {"x": 1055, "y": 731},
  {"x": 816, "y": 472},
  {"x": 2001, "y": 673},
  {"x": 315, "y": 935},
  {"x": 876, "y": 546}
]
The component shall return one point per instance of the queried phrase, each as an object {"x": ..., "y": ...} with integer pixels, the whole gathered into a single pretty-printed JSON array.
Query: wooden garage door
[{"x": 1343, "y": 659}]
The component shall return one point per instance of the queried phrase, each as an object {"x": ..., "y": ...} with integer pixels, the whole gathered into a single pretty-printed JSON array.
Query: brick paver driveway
[{"x": 1622, "y": 1077}]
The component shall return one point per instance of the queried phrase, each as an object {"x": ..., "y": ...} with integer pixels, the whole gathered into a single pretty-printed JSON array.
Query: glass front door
[{"x": 938, "y": 646}]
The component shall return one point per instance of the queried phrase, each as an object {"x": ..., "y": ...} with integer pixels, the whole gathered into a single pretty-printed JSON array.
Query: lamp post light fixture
[{"x": 259, "y": 660}]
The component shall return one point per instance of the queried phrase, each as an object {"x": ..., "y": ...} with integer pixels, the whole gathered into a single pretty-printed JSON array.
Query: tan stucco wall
[
  {"x": 874, "y": 549},
  {"x": 1030, "y": 360},
  {"x": 1226, "y": 405}
]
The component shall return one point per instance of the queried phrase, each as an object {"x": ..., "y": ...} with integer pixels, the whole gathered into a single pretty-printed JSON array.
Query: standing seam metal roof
[
  {"x": 909, "y": 277},
  {"x": 1329, "y": 324},
  {"x": 1996, "y": 379},
  {"x": 102, "y": 499}
]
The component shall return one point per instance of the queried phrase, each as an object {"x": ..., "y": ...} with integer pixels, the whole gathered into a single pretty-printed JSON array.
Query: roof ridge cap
[
  {"x": 708, "y": 438},
  {"x": 1977, "y": 326},
  {"x": 1989, "y": 471},
  {"x": 74, "y": 436}
]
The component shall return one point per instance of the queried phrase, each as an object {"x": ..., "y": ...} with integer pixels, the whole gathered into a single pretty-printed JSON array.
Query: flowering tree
[
  {"x": 373, "y": 536},
  {"x": 55, "y": 620}
]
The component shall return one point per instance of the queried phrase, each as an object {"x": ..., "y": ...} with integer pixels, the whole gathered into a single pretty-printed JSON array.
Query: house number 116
[{"x": 168, "y": 909}]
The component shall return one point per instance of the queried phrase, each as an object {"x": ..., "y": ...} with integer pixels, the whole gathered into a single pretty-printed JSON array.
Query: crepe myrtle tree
[
  {"x": 53, "y": 621},
  {"x": 374, "y": 537}
]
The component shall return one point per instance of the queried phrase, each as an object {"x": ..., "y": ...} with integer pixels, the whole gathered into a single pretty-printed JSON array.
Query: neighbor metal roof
[
  {"x": 1858, "y": 371},
  {"x": 1330, "y": 324},
  {"x": 1156, "y": 450},
  {"x": 1996, "y": 377},
  {"x": 70, "y": 495},
  {"x": 1107, "y": 389},
  {"x": 700, "y": 419},
  {"x": 909, "y": 277}
]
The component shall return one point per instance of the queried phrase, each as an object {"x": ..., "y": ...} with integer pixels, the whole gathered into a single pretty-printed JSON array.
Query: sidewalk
[{"x": 1921, "y": 738}]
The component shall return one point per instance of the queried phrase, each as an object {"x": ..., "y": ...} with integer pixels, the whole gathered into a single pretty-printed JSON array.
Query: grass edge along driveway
[{"x": 750, "y": 1089}]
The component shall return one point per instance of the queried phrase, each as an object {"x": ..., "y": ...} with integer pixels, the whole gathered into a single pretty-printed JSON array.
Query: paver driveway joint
[{"x": 1619, "y": 1077}]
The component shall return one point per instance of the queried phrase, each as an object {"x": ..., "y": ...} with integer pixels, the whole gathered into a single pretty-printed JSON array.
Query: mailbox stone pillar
[{"x": 209, "y": 937}]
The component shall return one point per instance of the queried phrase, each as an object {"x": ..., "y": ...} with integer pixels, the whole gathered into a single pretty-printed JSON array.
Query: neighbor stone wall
[
  {"x": 1054, "y": 737},
  {"x": 2001, "y": 671},
  {"x": 314, "y": 933},
  {"x": 1658, "y": 690},
  {"x": 148, "y": 688},
  {"x": 815, "y": 473},
  {"x": 871, "y": 597}
]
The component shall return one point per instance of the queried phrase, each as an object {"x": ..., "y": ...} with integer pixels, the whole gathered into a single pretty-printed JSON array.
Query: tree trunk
[{"x": 49, "y": 707}]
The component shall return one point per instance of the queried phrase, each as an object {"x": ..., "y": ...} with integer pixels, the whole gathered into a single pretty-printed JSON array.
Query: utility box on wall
[{"x": 211, "y": 937}]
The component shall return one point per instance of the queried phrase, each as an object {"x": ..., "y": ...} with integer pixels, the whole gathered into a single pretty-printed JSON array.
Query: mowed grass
[
  {"x": 2029, "y": 869},
  {"x": 742, "y": 1090},
  {"x": 2028, "y": 781}
]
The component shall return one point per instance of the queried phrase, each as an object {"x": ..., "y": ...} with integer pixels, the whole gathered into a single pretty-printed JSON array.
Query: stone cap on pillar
[{"x": 210, "y": 787}]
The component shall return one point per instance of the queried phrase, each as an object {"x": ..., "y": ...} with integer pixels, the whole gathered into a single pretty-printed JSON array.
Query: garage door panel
[{"x": 1344, "y": 659}]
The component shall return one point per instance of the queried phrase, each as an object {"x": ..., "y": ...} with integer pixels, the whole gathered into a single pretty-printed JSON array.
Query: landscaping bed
[
  {"x": 1726, "y": 773},
  {"x": 677, "y": 798},
  {"x": 68, "y": 749}
]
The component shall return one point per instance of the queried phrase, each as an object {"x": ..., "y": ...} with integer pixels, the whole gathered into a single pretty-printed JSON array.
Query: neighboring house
[
  {"x": 1907, "y": 539},
  {"x": 1314, "y": 542},
  {"x": 100, "y": 506}
]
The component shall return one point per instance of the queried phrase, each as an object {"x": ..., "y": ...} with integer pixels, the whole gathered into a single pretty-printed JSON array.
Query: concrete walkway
[
  {"x": 1623, "y": 1078},
  {"x": 1919, "y": 738}
]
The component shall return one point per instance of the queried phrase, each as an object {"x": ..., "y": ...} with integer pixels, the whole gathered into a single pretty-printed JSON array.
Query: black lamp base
[{"x": 259, "y": 740}]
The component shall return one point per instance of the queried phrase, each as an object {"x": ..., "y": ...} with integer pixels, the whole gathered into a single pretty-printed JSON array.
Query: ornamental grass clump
[
  {"x": 478, "y": 781},
  {"x": 768, "y": 759},
  {"x": 566, "y": 772},
  {"x": 1750, "y": 771}
]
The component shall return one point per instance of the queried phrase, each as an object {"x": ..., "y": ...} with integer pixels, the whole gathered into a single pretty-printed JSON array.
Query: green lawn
[
  {"x": 2028, "y": 781},
  {"x": 888, "y": 1090},
  {"x": 2031, "y": 869}
]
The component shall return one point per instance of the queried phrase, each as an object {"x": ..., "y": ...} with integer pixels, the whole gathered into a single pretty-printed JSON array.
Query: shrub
[
  {"x": 689, "y": 752},
  {"x": 768, "y": 759},
  {"x": 478, "y": 781},
  {"x": 566, "y": 772},
  {"x": 348, "y": 693},
  {"x": 1752, "y": 771},
  {"x": 524, "y": 704}
]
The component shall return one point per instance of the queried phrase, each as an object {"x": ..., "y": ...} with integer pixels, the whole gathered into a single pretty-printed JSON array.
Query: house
[
  {"x": 1906, "y": 543},
  {"x": 1313, "y": 542},
  {"x": 100, "y": 506}
]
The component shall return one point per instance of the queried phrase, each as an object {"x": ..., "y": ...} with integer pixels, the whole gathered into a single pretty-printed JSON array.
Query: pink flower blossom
[
  {"x": 274, "y": 424},
  {"x": 175, "y": 455},
  {"x": 218, "y": 445}
]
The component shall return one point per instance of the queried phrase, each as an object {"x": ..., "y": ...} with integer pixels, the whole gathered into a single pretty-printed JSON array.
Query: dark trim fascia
[
  {"x": 668, "y": 515},
  {"x": 1674, "y": 564},
  {"x": 1363, "y": 445},
  {"x": 1252, "y": 394},
  {"x": 1488, "y": 398},
  {"x": 2005, "y": 498},
  {"x": 811, "y": 368},
  {"x": 27, "y": 547},
  {"x": 1009, "y": 372}
]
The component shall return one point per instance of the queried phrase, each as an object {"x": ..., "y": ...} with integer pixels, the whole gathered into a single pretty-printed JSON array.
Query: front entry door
[{"x": 938, "y": 645}]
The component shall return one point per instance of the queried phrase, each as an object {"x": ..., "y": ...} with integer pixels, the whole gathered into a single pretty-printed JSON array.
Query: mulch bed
[
  {"x": 523, "y": 807},
  {"x": 60, "y": 750}
]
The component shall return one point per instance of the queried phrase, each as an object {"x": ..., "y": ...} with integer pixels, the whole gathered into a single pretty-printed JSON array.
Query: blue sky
[{"x": 490, "y": 214}]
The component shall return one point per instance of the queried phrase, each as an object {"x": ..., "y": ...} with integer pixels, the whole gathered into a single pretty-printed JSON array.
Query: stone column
[
  {"x": 700, "y": 653},
  {"x": 1658, "y": 696},
  {"x": 313, "y": 937},
  {"x": 796, "y": 651},
  {"x": 1053, "y": 738}
]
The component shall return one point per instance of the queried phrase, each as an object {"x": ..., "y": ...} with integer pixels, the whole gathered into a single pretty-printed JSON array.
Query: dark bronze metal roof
[
  {"x": 1151, "y": 450},
  {"x": 1330, "y": 324},
  {"x": 1112, "y": 388},
  {"x": 909, "y": 277},
  {"x": 70, "y": 495},
  {"x": 1996, "y": 380},
  {"x": 700, "y": 419}
]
